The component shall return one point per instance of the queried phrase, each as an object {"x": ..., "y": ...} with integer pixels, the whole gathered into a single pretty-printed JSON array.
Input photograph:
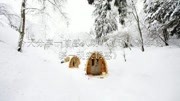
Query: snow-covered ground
[{"x": 37, "y": 75}]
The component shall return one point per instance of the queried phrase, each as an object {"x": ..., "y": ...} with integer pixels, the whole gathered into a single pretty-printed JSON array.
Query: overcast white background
[{"x": 80, "y": 14}]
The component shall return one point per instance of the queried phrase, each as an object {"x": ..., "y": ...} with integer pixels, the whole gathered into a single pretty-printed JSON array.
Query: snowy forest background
[{"x": 114, "y": 23}]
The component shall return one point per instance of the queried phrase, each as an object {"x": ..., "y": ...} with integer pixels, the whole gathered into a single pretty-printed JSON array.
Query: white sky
[{"x": 80, "y": 14}]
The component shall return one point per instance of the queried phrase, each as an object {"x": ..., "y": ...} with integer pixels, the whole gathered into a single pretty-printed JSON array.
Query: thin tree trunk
[
  {"x": 166, "y": 37},
  {"x": 139, "y": 28},
  {"x": 124, "y": 55},
  {"x": 22, "y": 25},
  {"x": 140, "y": 32}
]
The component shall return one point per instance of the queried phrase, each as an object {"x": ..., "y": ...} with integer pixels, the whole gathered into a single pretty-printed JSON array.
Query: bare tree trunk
[
  {"x": 22, "y": 25},
  {"x": 140, "y": 32},
  {"x": 124, "y": 55},
  {"x": 138, "y": 24},
  {"x": 166, "y": 37}
]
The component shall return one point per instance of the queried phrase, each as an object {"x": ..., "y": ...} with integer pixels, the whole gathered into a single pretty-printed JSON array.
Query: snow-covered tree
[
  {"x": 105, "y": 21},
  {"x": 11, "y": 18},
  {"x": 105, "y": 18},
  {"x": 163, "y": 17},
  {"x": 56, "y": 4},
  {"x": 120, "y": 4},
  {"x": 122, "y": 9},
  {"x": 3, "y": 11},
  {"x": 134, "y": 12}
]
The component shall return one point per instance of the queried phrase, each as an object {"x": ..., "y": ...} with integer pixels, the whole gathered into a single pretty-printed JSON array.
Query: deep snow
[{"x": 35, "y": 76}]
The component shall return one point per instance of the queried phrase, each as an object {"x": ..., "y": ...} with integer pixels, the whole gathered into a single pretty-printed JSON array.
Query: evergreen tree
[
  {"x": 105, "y": 18},
  {"x": 105, "y": 21},
  {"x": 122, "y": 9},
  {"x": 163, "y": 16}
]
